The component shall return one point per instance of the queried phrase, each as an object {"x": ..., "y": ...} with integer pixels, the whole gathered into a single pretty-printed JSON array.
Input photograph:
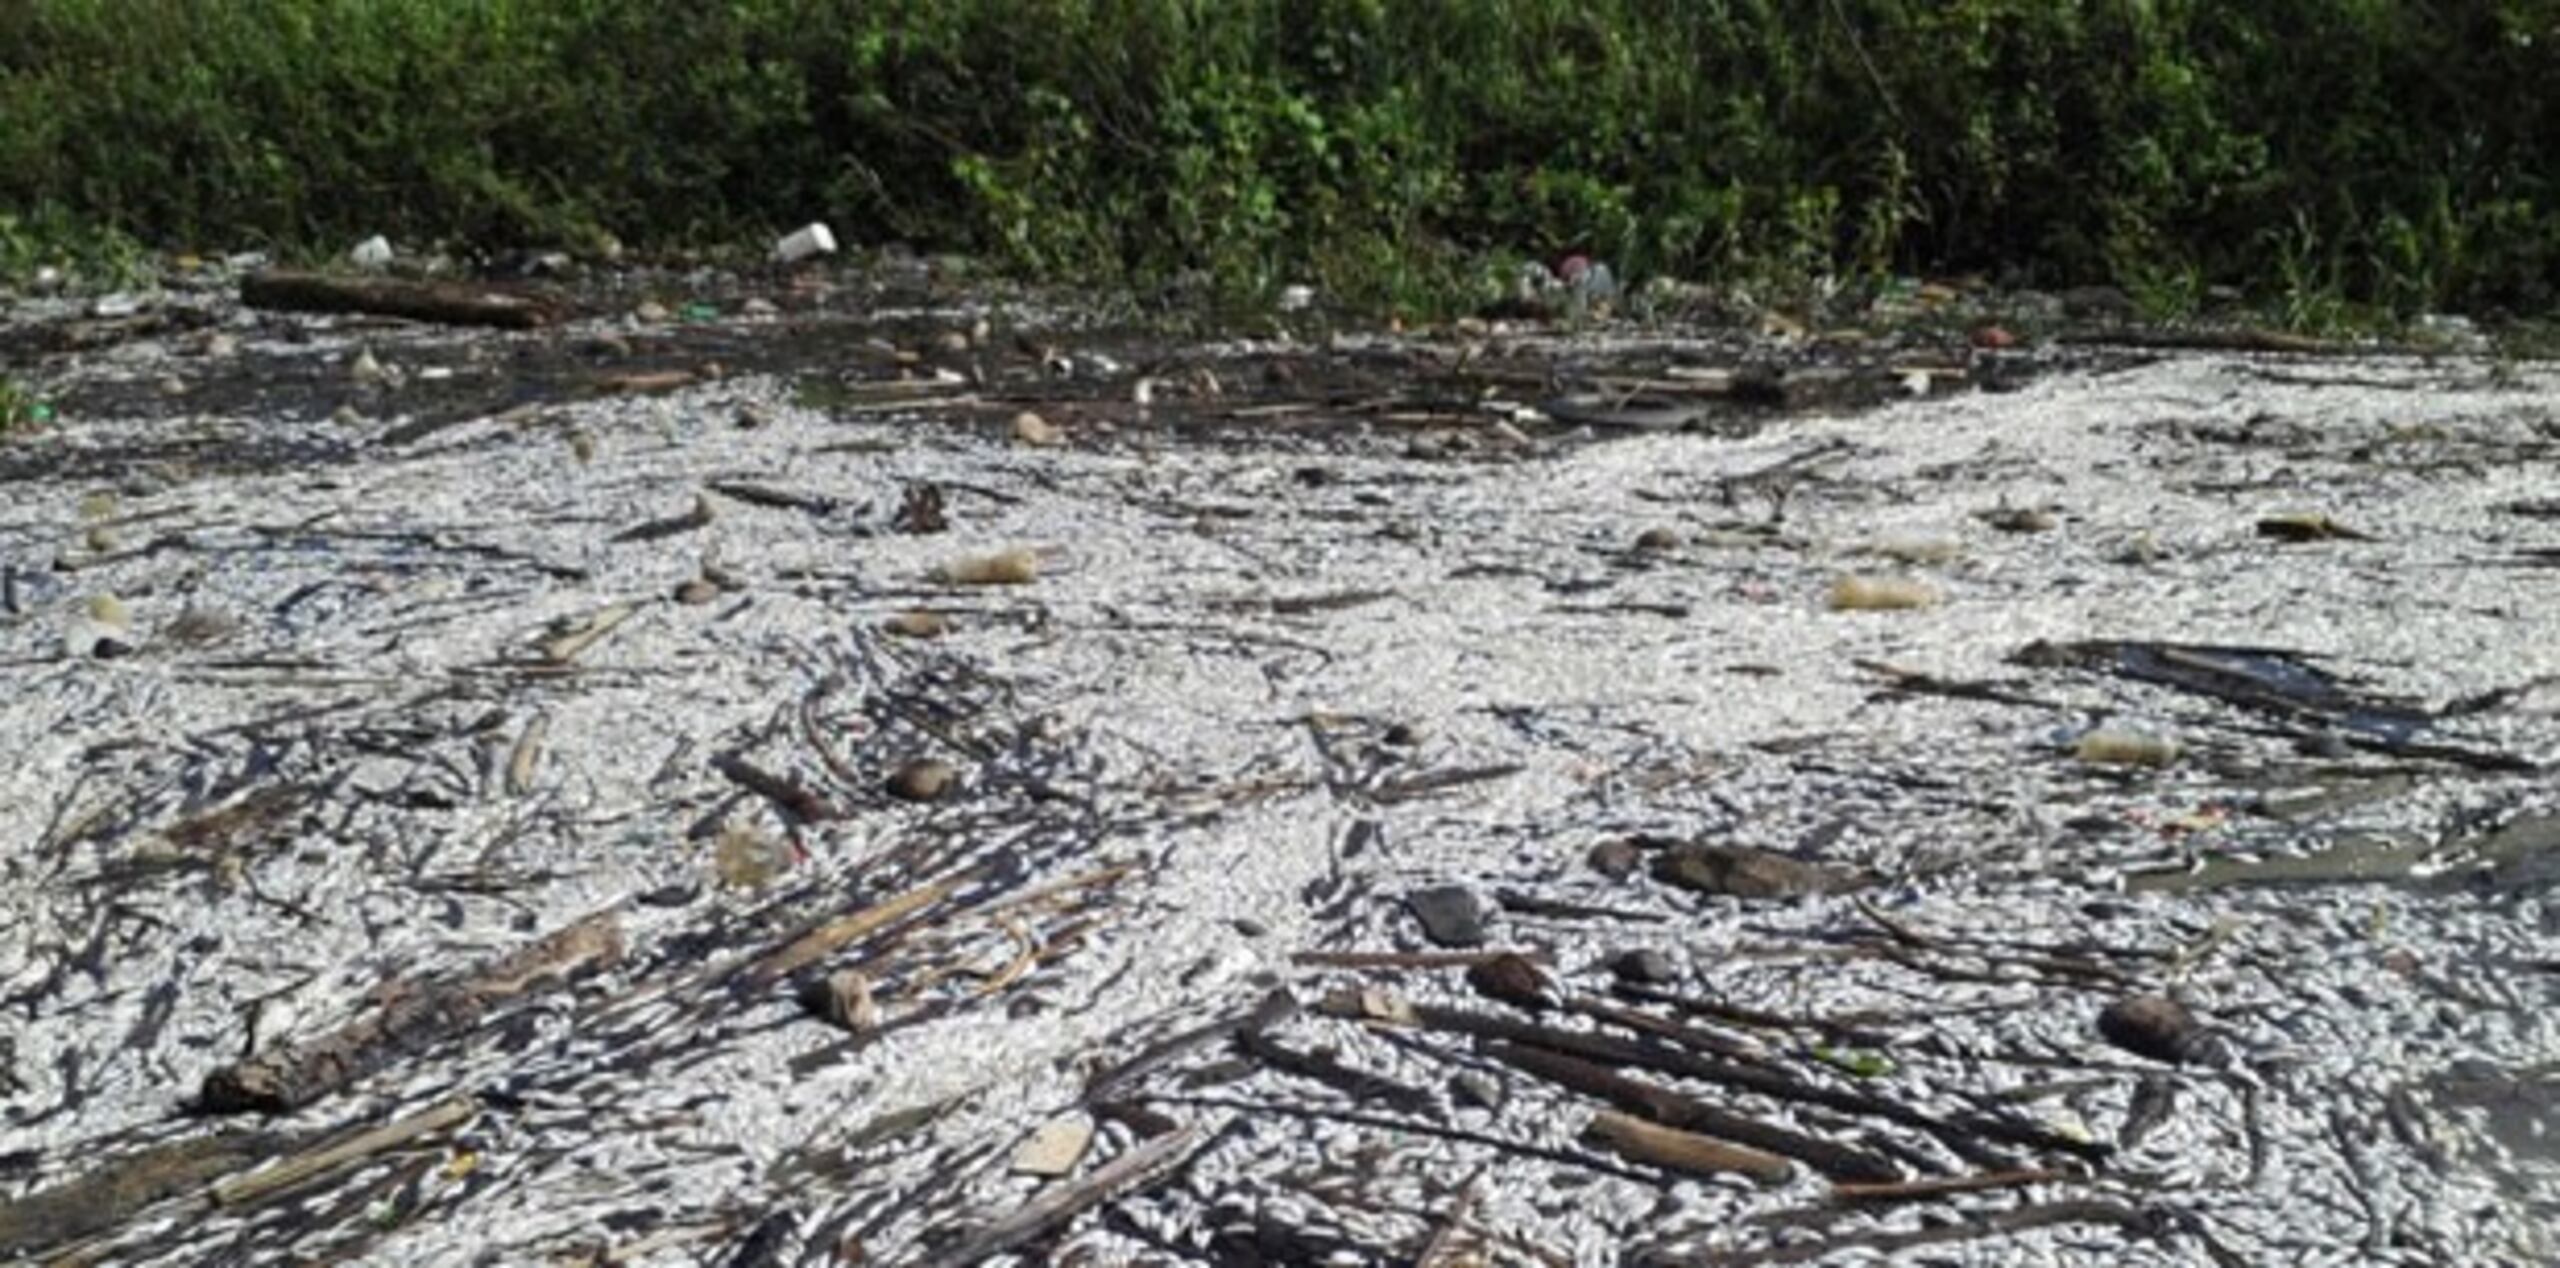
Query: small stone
[
  {"x": 652, "y": 312},
  {"x": 1475, "y": 1089},
  {"x": 1400, "y": 735},
  {"x": 758, "y": 306},
  {"x": 1616, "y": 860},
  {"x": 952, "y": 342},
  {"x": 367, "y": 369},
  {"x": 1645, "y": 966},
  {"x": 1031, "y": 429},
  {"x": 2108, "y": 746},
  {"x": 748, "y": 859},
  {"x": 1451, "y": 915},
  {"x": 843, "y": 998},
  {"x": 1248, "y": 926},
  {"x": 1004, "y": 568},
  {"x": 582, "y": 446},
  {"x": 922, "y": 779},
  {"x": 1993, "y": 337},
  {"x": 1514, "y": 980},
  {"x": 752, "y": 418},
  {"x": 109, "y": 647},
  {"x": 100, "y": 539},
  {"x": 917, "y": 624},
  {"x": 696, "y": 592},
  {"x": 2157, "y": 1027},
  {"x": 219, "y": 345},
  {"x": 1056, "y": 1148},
  {"x": 1746, "y": 872},
  {"x": 109, "y": 611},
  {"x": 172, "y": 385},
  {"x": 1657, "y": 539},
  {"x": 345, "y": 416},
  {"x": 1880, "y": 594}
]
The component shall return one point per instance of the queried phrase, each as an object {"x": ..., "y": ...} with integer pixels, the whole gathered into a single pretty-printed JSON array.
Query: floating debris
[
  {"x": 1004, "y": 568},
  {"x": 917, "y": 624},
  {"x": 1865, "y": 593},
  {"x": 1056, "y": 1148},
  {"x": 1747, "y": 872},
  {"x": 2308, "y": 527},
  {"x": 1451, "y": 915},
  {"x": 2112, "y": 747},
  {"x": 923, "y": 779}
]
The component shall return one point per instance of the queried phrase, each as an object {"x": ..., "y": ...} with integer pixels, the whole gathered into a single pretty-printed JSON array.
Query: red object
[{"x": 1993, "y": 337}]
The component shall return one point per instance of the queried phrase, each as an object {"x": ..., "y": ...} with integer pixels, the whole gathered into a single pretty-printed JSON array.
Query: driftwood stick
[
  {"x": 1672, "y": 1109},
  {"x": 442, "y": 1116},
  {"x": 412, "y": 1019},
  {"x": 1641, "y": 1141},
  {"x": 816, "y": 943},
  {"x": 447, "y": 303},
  {"x": 1065, "y": 1201},
  {"x": 802, "y": 801},
  {"x": 1611, "y": 1050},
  {"x": 116, "y": 1192}
]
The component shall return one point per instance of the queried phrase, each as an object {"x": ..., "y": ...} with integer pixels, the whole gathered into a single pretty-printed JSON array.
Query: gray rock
[
  {"x": 1645, "y": 965},
  {"x": 1616, "y": 860},
  {"x": 1451, "y": 915}
]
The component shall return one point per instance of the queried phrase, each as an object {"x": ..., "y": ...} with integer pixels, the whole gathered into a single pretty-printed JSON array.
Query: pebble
[
  {"x": 652, "y": 312},
  {"x": 1474, "y": 1089},
  {"x": 1746, "y": 872},
  {"x": 952, "y": 341},
  {"x": 1451, "y": 915},
  {"x": 1031, "y": 429},
  {"x": 1880, "y": 594},
  {"x": 1616, "y": 860},
  {"x": 922, "y": 779},
  {"x": 917, "y": 624},
  {"x": 1657, "y": 539},
  {"x": 843, "y": 998},
  {"x": 367, "y": 369},
  {"x": 758, "y": 306},
  {"x": 1056, "y": 1148},
  {"x": 2155, "y": 1026},
  {"x": 696, "y": 591},
  {"x": 1004, "y": 568},
  {"x": 1514, "y": 980},
  {"x": 1645, "y": 965}
]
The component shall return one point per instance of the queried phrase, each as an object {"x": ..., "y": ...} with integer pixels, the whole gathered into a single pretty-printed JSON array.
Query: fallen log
[
  {"x": 410, "y": 1020},
  {"x": 445, "y": 303}
]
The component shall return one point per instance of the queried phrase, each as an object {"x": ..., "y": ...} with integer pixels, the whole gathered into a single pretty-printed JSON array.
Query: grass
[{"x": 2326, "y": 156}]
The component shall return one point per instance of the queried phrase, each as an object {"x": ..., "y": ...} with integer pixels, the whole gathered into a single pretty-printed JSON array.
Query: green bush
[{"x": 2398, "y": 153}]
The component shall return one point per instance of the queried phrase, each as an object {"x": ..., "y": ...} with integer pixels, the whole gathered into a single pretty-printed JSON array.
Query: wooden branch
[
  {"x": 1634, "y": 1138},
  {"x": 446, "y": 303},
  {"x": 1065, "y": 1201},
  {"x": 1672, "y": 1109},
  {"x": 816, "y": 943},
  {"x": 119, "y": 1190},
  {"x": 412, "y": 1019},
  {"x": 443, "y": 1116}
]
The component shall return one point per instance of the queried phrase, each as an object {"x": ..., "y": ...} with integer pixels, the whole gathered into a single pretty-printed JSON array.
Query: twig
[
  {"x": 413, "y": 1018},
  {"x": 442, "y": 1116},
  {"x": 1065, "y": 1201}
]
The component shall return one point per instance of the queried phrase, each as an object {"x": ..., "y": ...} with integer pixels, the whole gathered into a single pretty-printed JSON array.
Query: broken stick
[
  {"x": 447, "y": 303},
  {"x": 412, "y": 1019}
]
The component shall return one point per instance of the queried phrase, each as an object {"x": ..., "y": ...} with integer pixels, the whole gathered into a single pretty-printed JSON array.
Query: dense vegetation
[{"x": 2402, "y": 153}]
